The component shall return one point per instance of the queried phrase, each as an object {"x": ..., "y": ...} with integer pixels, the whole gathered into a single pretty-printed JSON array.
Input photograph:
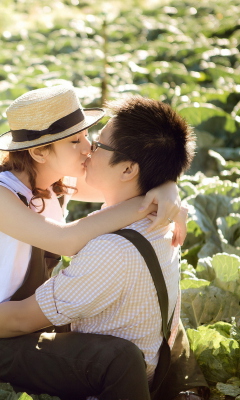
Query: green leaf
[
  {"x": 233, "y": 174},
  {"x": 229, "y": 153},
  {"x": 235, "y": 333},
  {"x": 4, "y": 127},
  {"x": 205, "y": 269},
  {"x": 235, "y": 203},
  {"x": 217, "y": 355},
  {"x": 227, "y": 389},
  {"x": 217, "y": 72},
  {"x": 220, "y": 98},
  {"x": 223, "y": 328},
  {"x": 25, "y": 396},
  {"x": 209, "y": 304},
  {"x": 206, "y": 139},
  {"x": 153, "y": 91},
  {"x": 193, "y": 283},
  {"x": 187, "y": 270},
  {"x": 229, "y": 230},
  {"x": 208, "y": 118},
  {"x": 217, "y": 186},
  {"x": 191, "y": 254},
  {"x": 227, "y": 271},
  {"x": 207, "y": 208},
  {"x": 187, "y": 189},
  {"x": 209, "y": 248},
  {"x": 7, "y": 392}
]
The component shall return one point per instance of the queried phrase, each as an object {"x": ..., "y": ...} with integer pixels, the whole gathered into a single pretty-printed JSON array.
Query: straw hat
[{"x": 44, "y": 116}]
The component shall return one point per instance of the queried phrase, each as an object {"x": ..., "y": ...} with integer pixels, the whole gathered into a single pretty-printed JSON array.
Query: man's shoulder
[
  {"x": 143, "y": 226},
  {"x": 108, "y": 241},
  {"x": 115, "y": 240},
  {"x": 111, "y": 250}
]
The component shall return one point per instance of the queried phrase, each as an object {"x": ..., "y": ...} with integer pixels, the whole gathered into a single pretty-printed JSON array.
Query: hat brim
[{"x": 92, "y": 116}]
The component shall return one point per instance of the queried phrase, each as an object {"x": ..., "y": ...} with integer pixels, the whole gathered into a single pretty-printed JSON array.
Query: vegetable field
[{"x": 185, "y": 53}]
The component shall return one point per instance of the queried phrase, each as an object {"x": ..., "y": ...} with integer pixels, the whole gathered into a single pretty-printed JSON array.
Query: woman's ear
[
  {"x": 131, "y": 171},
  {"x": 38, "y": 154}
]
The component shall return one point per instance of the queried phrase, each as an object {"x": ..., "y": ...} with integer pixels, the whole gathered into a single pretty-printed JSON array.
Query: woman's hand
[
  {"x": 180, "y": 228},
  {"x": 167, "y": 198}
]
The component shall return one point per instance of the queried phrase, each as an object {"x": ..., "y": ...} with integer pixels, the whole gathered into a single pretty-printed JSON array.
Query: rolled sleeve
[
  {"x": 46, "y": 301},
  {"x": 93, "y": 282}
]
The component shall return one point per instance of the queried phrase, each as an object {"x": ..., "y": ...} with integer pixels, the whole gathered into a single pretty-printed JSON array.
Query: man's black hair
[{"x": 152, "y": 134}]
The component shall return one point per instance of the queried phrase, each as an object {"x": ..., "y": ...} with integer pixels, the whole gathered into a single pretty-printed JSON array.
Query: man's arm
[
  {"x": 21, "y": 317},
  {"x": 85, "y": 289}
]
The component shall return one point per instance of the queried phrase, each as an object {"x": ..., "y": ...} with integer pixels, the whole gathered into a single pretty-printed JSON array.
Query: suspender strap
[
  {"x": 39, "y": 268},
  {"x": 21, "y": 197},
  {"x": 147, "y": 252}
]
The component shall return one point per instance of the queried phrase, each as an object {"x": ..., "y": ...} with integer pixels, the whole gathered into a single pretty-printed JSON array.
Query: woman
[{"x": 47, "y": 141}]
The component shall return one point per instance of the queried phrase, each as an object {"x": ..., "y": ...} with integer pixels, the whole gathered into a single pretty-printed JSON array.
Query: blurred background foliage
[{"x": 183, "y": 52}]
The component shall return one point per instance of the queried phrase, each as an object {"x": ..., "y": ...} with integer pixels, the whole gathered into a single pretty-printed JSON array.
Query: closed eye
[{"x": 76, "y": 141}]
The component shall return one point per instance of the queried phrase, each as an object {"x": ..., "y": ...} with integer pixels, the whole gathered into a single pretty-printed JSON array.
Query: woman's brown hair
[{"x": 20, "y": 161}]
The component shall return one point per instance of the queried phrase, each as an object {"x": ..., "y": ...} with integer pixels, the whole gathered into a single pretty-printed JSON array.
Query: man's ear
[
  {"x": 38, "y": 154},
  {"x": 131, "y": 171}
]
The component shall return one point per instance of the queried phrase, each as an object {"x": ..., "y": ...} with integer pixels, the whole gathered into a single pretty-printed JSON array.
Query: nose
[{"x": 86, "y": 149}]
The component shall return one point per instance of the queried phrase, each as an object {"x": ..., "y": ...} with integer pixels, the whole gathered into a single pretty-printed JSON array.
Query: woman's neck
[
  {"x": 43, "y": 180},
  {"x": 23, "y": 177}
]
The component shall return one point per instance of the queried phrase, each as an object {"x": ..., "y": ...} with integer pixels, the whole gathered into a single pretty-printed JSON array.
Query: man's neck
[{"x": 115, "y": 197}]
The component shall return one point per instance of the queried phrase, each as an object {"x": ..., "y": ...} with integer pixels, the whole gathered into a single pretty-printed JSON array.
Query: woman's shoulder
[
  {"x": 7, "y": 181},
  {"x": 12, "y": 183}
]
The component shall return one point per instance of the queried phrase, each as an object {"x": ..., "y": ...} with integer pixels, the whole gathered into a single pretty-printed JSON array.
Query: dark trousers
[{"x": 75, "y": 365}]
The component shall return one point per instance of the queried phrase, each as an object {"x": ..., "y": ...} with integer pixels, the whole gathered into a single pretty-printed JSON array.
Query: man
[{"x": 107, "y": 289}]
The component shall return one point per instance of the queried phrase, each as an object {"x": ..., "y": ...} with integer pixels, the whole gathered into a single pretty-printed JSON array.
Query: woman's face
[{"x": 66, "y": 157}]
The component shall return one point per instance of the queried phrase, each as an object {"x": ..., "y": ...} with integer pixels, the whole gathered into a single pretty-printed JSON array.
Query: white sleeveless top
[{"x": 15, "y": 255}]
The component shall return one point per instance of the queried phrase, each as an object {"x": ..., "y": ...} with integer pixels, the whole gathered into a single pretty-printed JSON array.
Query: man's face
[{"x": 99, "y": 174}]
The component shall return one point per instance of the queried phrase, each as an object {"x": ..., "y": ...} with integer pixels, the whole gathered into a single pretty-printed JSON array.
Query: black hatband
[{"x": 61, "y": 125}]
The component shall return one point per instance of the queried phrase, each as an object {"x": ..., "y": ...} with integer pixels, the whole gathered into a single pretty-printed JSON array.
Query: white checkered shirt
[{"x": 107, "y": 289}]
